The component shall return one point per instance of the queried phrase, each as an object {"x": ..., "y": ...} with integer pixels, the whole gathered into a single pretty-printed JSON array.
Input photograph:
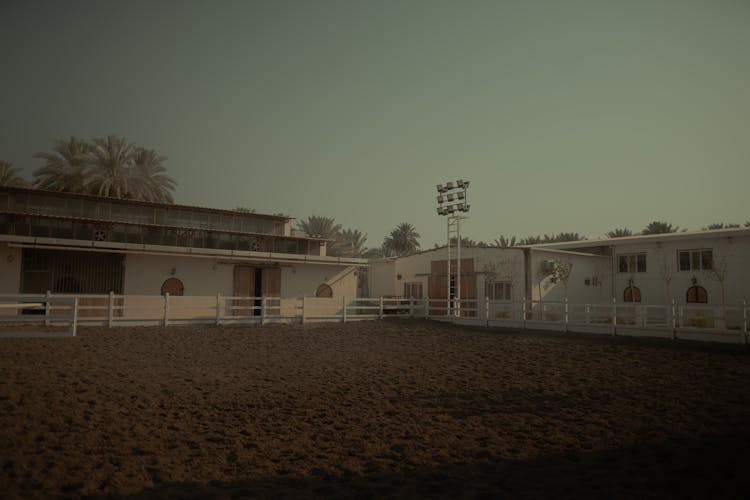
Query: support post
[
  {"x": 614, "y": 316},
  {"x": 566, "y": 314},
  {"x": 744, "y": 320},
  {"x": 673, "y": 321},
  {"x": 47, "y": 307},
  {"x": 74, "y": 326},
  {"x": 343, "y": 309},
  {"x": 262, "y": 310},
  {"x": 523, "y": 312},
  {"x": 588, "y": 313},
  {"x": 304, "y": 301},
  {"x": 218, "y": 309},
  {"x": 111, "y": 309},
  {"x": 165, "y": 321},
  {"x": 381, "y": 307}
]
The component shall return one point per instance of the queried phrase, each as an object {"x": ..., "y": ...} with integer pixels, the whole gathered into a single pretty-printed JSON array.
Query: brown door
[
  {"x": 468, "y": 287},
  {"x": 172, "y": 286},
  {"x": 271, "y": 281},
  {"x": 244, "y": 286},
  {"x": 437, "y": 287}
]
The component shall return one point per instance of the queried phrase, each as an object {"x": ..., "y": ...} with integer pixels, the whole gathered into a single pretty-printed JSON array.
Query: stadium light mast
[{"x": 452, "y": 202}]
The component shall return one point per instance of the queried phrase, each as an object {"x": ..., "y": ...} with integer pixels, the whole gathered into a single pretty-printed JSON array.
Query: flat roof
[
  {"x": 125, "y": 201},
  {"x": 645, "y": 238}
]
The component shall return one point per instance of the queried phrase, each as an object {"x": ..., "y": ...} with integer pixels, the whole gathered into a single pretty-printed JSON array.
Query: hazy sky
[{"x": 564, "y": 115}]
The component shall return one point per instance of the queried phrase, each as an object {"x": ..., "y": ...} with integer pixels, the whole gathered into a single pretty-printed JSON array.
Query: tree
[
  {"x": 403, "y": 240},
  {"x": 325, "y": 228},
  {"x": 720, "y": 225},
  {"x": 659, "y": 227},
  {"x": 560, "y": 237},
  {"x": 352, "y": 243},
  {"x": 504, "y": 242},
  {"x": 9, "y": 175},
  {"x": 110, "y": 167},
  {"x": 65, "y": 168},
  {"x": 562, "y": 272},
  {"x": 718, "y": 273},
  {"x": 619, "y": 233},
  {"x": 149, "y": 181}
]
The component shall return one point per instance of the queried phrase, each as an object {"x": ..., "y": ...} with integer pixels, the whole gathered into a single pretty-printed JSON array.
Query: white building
[
  {"x": 710, "y": 268},
  {"x": 79, "y": 244}
]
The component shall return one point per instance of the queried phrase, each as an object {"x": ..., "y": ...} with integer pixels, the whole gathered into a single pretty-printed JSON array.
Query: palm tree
[
  {"x": 504, "y": 242},
  {"x": 560, "y": 237},
  {"x": 9, "y": 175},
  {"x": 403, "y": 240},
  {"x": 149, "y": 181},
  {"x": 352, "y": 243},
  {"x": 66, "y": 166},
  {"x": 323, "y": 227},
  {"x": 659, "y": 227},
  {"x": 111, "y": 171},
  {"x": 619, "y": 233}
]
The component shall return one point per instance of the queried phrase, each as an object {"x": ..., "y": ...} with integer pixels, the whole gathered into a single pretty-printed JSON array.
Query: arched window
[
  {"x": 696, "y": 295},
  {"x": 631, "y": 294},
  {"x": 324, "y": 291},
  {"x": 172, "y": 286}
]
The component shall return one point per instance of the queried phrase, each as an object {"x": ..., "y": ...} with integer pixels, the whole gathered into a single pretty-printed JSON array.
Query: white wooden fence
[{"x": 687, "y": 321}]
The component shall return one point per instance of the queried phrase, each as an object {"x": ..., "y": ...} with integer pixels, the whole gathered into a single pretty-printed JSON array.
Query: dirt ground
[{"x": 396, "y": 408}]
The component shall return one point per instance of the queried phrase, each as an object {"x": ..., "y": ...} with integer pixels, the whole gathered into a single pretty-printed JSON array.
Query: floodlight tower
[{"x": 453, "y": 201}]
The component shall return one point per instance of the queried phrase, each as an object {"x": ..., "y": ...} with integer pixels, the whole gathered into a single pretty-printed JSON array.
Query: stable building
[{"x": 67, "y": 243}]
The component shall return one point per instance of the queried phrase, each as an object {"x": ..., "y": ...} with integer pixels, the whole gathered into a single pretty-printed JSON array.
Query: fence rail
[{"x": 691, "y": 321}]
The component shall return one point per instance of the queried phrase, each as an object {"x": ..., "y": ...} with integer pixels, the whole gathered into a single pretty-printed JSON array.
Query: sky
[{"x": 575, "y": 115}]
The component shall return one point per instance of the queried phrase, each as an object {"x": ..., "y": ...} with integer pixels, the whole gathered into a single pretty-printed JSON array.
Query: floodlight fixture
[
  {"x": 440, "y": 188},
  {"x": 450, "y": 209},
  {"x": 461, "y": 195},
  {"x": 441, "y": 198},
  {"x": 449, "y": 185},
  {"x": 451, "y": 197}
]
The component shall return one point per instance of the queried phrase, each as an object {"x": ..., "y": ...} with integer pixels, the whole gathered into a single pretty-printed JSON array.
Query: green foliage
[
  {"x": 9, "y": 175},
  {"x": 660, "y": 227},
  {"x": 352, "y": 243},
  {"x": 108, "y": 166},
  {"x": 720, "y": 225},
  {"x": 403, "y": 240},
  {"x": 504, "y": 242},
  {"x": 619, "y": 233}
]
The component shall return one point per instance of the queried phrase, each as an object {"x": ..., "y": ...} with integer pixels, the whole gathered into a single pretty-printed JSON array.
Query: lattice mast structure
[{"x": 452, "y": 202}]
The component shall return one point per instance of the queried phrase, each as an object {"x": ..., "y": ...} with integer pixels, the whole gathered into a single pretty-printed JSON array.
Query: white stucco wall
[
  {"x": 10, "y": 269},
  {"x": 595, "y": 269},
  {"x": 664, "y": 256}
]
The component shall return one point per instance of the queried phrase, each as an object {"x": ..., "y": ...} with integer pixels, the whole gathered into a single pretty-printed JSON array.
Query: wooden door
[
  {"x": 271, "y": 281},
  {"x": 172, "y": 286},
  {"x": 244, "y": 286},
  {"x": 437, "y": 287},
  {"x": 468, "y": 287}
]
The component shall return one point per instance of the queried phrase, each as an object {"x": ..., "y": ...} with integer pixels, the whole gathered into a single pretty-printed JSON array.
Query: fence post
[
  {"x": 672, "y": 321},
  {"x": 486, "y": 310},
  {"x": 614, "y": 316},
  {"x": 566, "y": 314},
  {"x": 110, "y": 309},
  {"x": 166, "y": 309},
  {"x": 74, "y": 327},
  {"x": 343, "y": 309},
  {"x": 304, "y": 301},
  {"x": 426, "y": 307},
  {"x": 588, "y": 313},
  {"x": 218, "y": 308},
  {"x": 262, "y": 310},
  {"x": 47, "y": 307},
  {"x": 523, "y": 312},
  {"x": 381, "y": 307}
]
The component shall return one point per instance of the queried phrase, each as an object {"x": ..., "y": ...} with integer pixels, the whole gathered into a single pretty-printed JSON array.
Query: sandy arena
[{"x": 396, "y": 408}]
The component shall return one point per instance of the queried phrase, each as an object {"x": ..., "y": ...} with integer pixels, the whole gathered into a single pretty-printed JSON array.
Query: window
[
  {"x": 696, "y": 295},
  {"x": 412, "y": 290},
  {"x": 695, "y": 260},
  {"x": 498, "y": 290},
  {"x": 631, "y": 263},
  {"x": 631, "y": 294}
]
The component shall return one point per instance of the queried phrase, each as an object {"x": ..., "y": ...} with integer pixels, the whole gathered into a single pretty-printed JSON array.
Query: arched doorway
[
  {"x": 696, "y": 295},
  {"x": 324, "y": 291},
  {"x": 172, "y": 286},
  {"x": 631, "y": 294}
]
